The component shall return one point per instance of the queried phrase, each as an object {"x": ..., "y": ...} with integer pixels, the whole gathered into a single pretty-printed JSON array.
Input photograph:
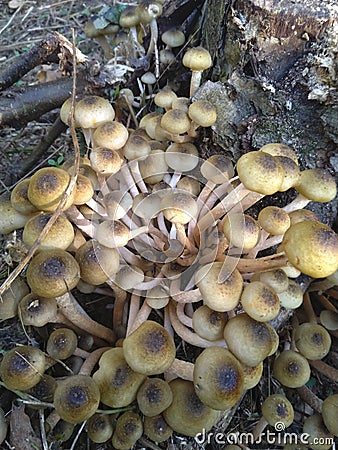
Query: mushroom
[
  {"x": 148, "y": 11},
  {"x": 22, "y": 367},
  {"x": 209, "y": 324},
  {"x": 19, "y": 198},
  {"x": 46, "y": 188},
  {"x": 292, "y": 297},
  {"x": 112, "y": 135},
  {"x": 187, "y": 414},
  {"x": 100, "y": 428},
  {"x": 260, "y": 301},
  {"x": 276, "y": 409},
  {"x": 150, "y": 349},
  {"x": 11, "y": 298},
  {"x": 129, "y": 18},
  {"x": 197, "y": 59},
  {"x": 318, "y": 436},
  {"x": 274, "y": 220},
  {"x": 252, "y": 375},
  {"x": 218, "y": 378},
  {"x": 37, "y": 311},
  {"x": 156, "y": 428},
  {"x": 202, "y": 114},
  {"x": 44, "y": 390},
  {"x": 330, "y": 413},
  {"x": 128, "y": 430},
  {"x": 241, "y": 230},
  {"x": 117, "y": 382},
  {"x": 105, "y": 161},
  {"x": 173, "y": 37},
  {"x": 62, "y": 343},
  {"x": 59, "y": 236},
  {"x": 317, "y": 185},
  {"x": 175, "y": 121},
  {"x": 84, "y": 190},
  {"x": 312, "y": 247},
  {"x": 291, "y": 369},
  {"x": 52, "y": 273},
  {"x": 76, "y": 398},
  {"x": 242, "y": 332},
  {"x": 154, "y": 396},
  {"x": 312, "y": 340},
  {"x": 164, "y": 98}
]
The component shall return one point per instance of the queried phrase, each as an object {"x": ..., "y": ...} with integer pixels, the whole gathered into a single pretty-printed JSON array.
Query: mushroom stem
[
  {"x": 307, "y": 306},
  {"x": 195, "y": 82},
  {"x": 74, "y": 312},
  {"x": 183, "y": 318},
  {"x": 141, "y": 317},
  {"x": 181, "y": 369},
  {"x": 325, "y": 369},
  {"x": 259, "y": 428},
  {"x": 310, "y": 398},
  {"x": 118, "y": 311},
  {"x": 179, "y": 296},
  {"x": 78, "y": 219},
  {"x": 134, "y": 308},
  {"x": 256, "y": 265},
  {"x": 91, "y": 361}
]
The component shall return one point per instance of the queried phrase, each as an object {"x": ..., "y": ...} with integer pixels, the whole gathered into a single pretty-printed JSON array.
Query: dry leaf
[{"x": 22, "y": 435}]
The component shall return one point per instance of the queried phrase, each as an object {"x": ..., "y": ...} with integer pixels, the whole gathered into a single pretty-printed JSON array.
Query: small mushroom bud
[
  {"x": 156, "y": 428},
  {"x": 197, "y": 59},
  {"x": 37, "y": 311},
  {"x": 61, "y": 343},
  {"x": 274, "y": 220},
  {"x": 291, "y": 369},
  {"x": 154, "y": 396},
  {"x": 128, "y": 430},
  {"x": 209, "y": 324},
  {"x": 100, "y": 428},
  {"x": 260, "y": 302},
  {"x": 292, "y": 297},
  {"x": 22, "y": 367},
  {"x": 76, "y": 398}
]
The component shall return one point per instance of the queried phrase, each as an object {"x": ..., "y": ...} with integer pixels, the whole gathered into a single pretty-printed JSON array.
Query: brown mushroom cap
[
  {"x": 11, "y": 298},
  {"x": 179, "y": 207},
  {"x": 218, "y": 378},
  {"x": 105, "y": 161},
  {"x": 128, "y": 429},
  {"x": 317, "y": 185},
  {"x": 312, "y": 340},
  {"x": 173, "y": 37},
  {"x": 242, "y": 332},
  {"x": 52, "y": 273},
  {"x": 19, "y": 198},
  {"x": 260, "y": 172},
  {"x": 164, "y": 98},
  {"x": 312, "y": 247},
  {"x": 182, "y": 157},
  {"x": 76, "y": 398},
  {"x": 219, "y": 296},
  {"x": 117, "y": 382},
  {"x": 84, "y": 190},
  {"x": 154, "y": 396},
  {"x": 60, "y": 234},
  {"x": 175, "y": 121},
  {"x": 136, "y": 147},
  {"x": 291, "y": 369},
  {"x": 276, "y": 279},
  {"x": 22, "y": 367},
  {"x": 279, "y": 149},
  {"x": 292, "y": 297},
  {"x": 154, "y": 167},
  {"x": 217, "y": 169},
  {"x": 112, "y": 135},
  {"x": 187, "y": 414},
  {"x": 61, "y": 343},
  {"x": 277, "y": 409},
  {"x": 260, "y": 302},
  {"x": 156, "y": 428},
  {"x": 252, "y": 375},
  {"x": 100, "y": 428},
  {"x": 46, "y": 188},
  {"x": 149, "y": 349},
  {"x": 291, "y": 172},
  {"x": 37, "y": 311},
  {"x": 92, "y": 111},
  {"x": 209, "y": 324},
  {"x": 241, "y": 230},
  {"x": 203, "y": 113},
  {"x": 274, "y": 220}
]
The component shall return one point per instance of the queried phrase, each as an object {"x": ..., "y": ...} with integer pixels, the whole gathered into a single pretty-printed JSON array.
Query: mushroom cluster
[{"x": 169, "y": 236}]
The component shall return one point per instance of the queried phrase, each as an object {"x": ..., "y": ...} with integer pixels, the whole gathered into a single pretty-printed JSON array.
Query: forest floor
[{"x": 23, "y": 24}]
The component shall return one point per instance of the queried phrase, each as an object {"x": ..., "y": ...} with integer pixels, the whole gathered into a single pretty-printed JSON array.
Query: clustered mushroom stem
[
  {"x": 310, "y": 398},
  {"x": 74, "y": 312},
  {"x": 78, "y": 219},
  {"x": 118, "y": 311},
  {"x": 134, "y": 308},
  {"x": 183, "y": 318},
  {"x": 259, "y": 428},
  {"x": 131, "y": 186},
  {"x": 326, "y": 303},
  {"x": 181, "y": 369},
  {"x": 298, "y": 203},
  {"x": 135, "y": 171},
  {"x": 195, "y": 82},
  {"x": 187, "y": 335},
  {"x": 307, "y": 306},
  {"x": 91, "y": 361},
  {"x": 179, "y": 296},
  {"x": 141, "y": 317},
  {"x": 325, "y": 369},
  {"x": 255, "y": 265},
  {"x": 153, "y": 36}
]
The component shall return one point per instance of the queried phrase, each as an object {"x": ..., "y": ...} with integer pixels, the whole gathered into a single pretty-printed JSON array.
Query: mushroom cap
[
  {"x": 112, "y": 135},
  {"x": 277, "y": 409},
  {"x": 105, "y": 161},
  {"x": 312, "y": 340},
  {"x": 19, "y": 198},
  {"x": 203, "y": 113},
  {"x": 252, "y": 375},
  {"x": 117, "y": 204},
  {"x": 208, "y": 323},
  {"x": 46, "y": 188},
  {"x": 117, "y": 382},
  {"x": 219, "y": 296},
  {"x": 242, "y": 332},
  {"x": 65, "y": 112},
  {"x": 153, "y": 167},
  {"x": 11, "y": 298},
  {"x": 156, "y": 428},
  {"x": 187, "y": 414},
  {"x": 317, "y": 185},
  {"x": 299, "y": 215},
  {"x": 128, "y": 276},
  {"x": 10, "y": 218},
  {"x": 149, "y": 10},
  {"x": 129, "y": 17},
  {"x": 241, "y": 230},
  {"x": 149, "y": 349},
  {"x": 329, "y": 319},
  {"x": 97, "y": 262},
  {"x": 291, "y": 172},
  {"x": 218, "y": 378},
  {"x": 197, "y": 59},
  {"x": 318, "y": 436},
  {"x": 291, "y": 369},
  {"x": 146, "y": 205},
  {"x": 260, "y": 172},
  {"x": 175, "y": 121},
  {"x": 60, "y": 234},
  {"x": 164, "y": 98},
  {"x": 100, "y": 428},
  {"x": 260, "y": 302},
  {"x": 218, "y": 169},
  {"x": 274, "y": 220},
  {"x": 44, "y": 389},
  {"x": 173, "y": 37},
  {"x": 92, "y": 111},
  {"x": 22, "y": 367},
  {"x": 136, "y": 147},
  {"x": 312, "y": 247},
  {"x": 276, "y": 279},
  {"x": 292, "y": 297},
  {"x": 52, "y": 273},
  {"x": 154, "y": 396},
  {"x": 279, "y": 149},
  {"x": 76, "y": 398},
  {"x": 61, "y": 343},
  {"x": 84, "y": 190},
  {"x": 112, "y": 233},
  {"x": 182, "y": 157},
  {"x": 128, "y": 429},
  {"x": 330, "y": 413},
  {"x": 37, "y": 311},
  {"x": 179, "y": 207}
]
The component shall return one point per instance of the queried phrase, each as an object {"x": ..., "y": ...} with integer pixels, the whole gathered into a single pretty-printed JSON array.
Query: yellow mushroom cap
[
  {"x": 279, "y": 149},
  {"x": 203, "y": 113},
  {"x": 312, "y": 247},
  {"x": 197, "y": 59},
  {"x": 112, "y": 135},
  {"x": 317, "y": 185},
  {"x": 277, "y": 409},
  {"x": 274, "y": 220},
  {"x": 260, "y": 302},
  {"x": 92, "y": 111}
]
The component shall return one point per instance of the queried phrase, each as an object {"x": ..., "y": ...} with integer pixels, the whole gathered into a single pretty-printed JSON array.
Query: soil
[{"x": 25, "y": 23}]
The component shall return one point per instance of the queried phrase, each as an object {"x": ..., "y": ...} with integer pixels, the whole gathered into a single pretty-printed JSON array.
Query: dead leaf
[{"x": 22, "y": 435}]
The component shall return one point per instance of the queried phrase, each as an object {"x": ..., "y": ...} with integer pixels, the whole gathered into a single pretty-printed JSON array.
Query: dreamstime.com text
[{"x": 276, "y": 437}]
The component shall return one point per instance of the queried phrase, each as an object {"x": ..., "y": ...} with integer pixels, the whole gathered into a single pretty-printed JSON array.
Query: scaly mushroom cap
[
  {"x": 218, "y": 378},
  {"x": 278, "y": 149},
  {"x": 317, "y": 185},
  {"x": 175, "y": 121},
  {"x": 291, "y": 369},
  {"x": 52, "y": 273},
  {"x": 274, "y": 220},
  {"x": 128, "y": 430},
  {"x": 312, "y": 247},
  {"x": 219, "y": 296},
  {"x": 197, "y": 59},
  {"x": 318, "y": 436},
  {"x": 150, "y": 349},
  {"x": 182, "y": 157},
  {"x": 76, "y": 398},
  {"x": 100, "y": 428},
  {"x": 203, "y": 113},
  {"x": 209, "y": 324},
  {"x": 292, "y": 297},
  {"x": 46, "y": 188},
  {"x": 112, "y": 135},
  {"x": 277, "y": 409},
  {"x": 276, "y": 279},
  {"x": 61, "y": 343},
  {"x": 179, "y": 207},
  {"x": 37, "y": 311},
  {"x": 92, "y": 111},
  {"x": 218, "y": 169},
  {"x": 19, "y": 198},
  {"x": 260, "y": 302},
  {"x": 252, "y": 375},
  {"x": 22, "y": 367},
  {"x": 117, "y": 382},
  {"x": 136, "y": 147},
  {"x": 187, "y": 414},
  {"x": 156, "y": 428},
  {"x": 312, "y": 340},
  {"x": 260, "y": 172},
  {"x": 105, "y": 161},
  {"x": 241, "y": 230},
  {"x": 164, "y": 98}
]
